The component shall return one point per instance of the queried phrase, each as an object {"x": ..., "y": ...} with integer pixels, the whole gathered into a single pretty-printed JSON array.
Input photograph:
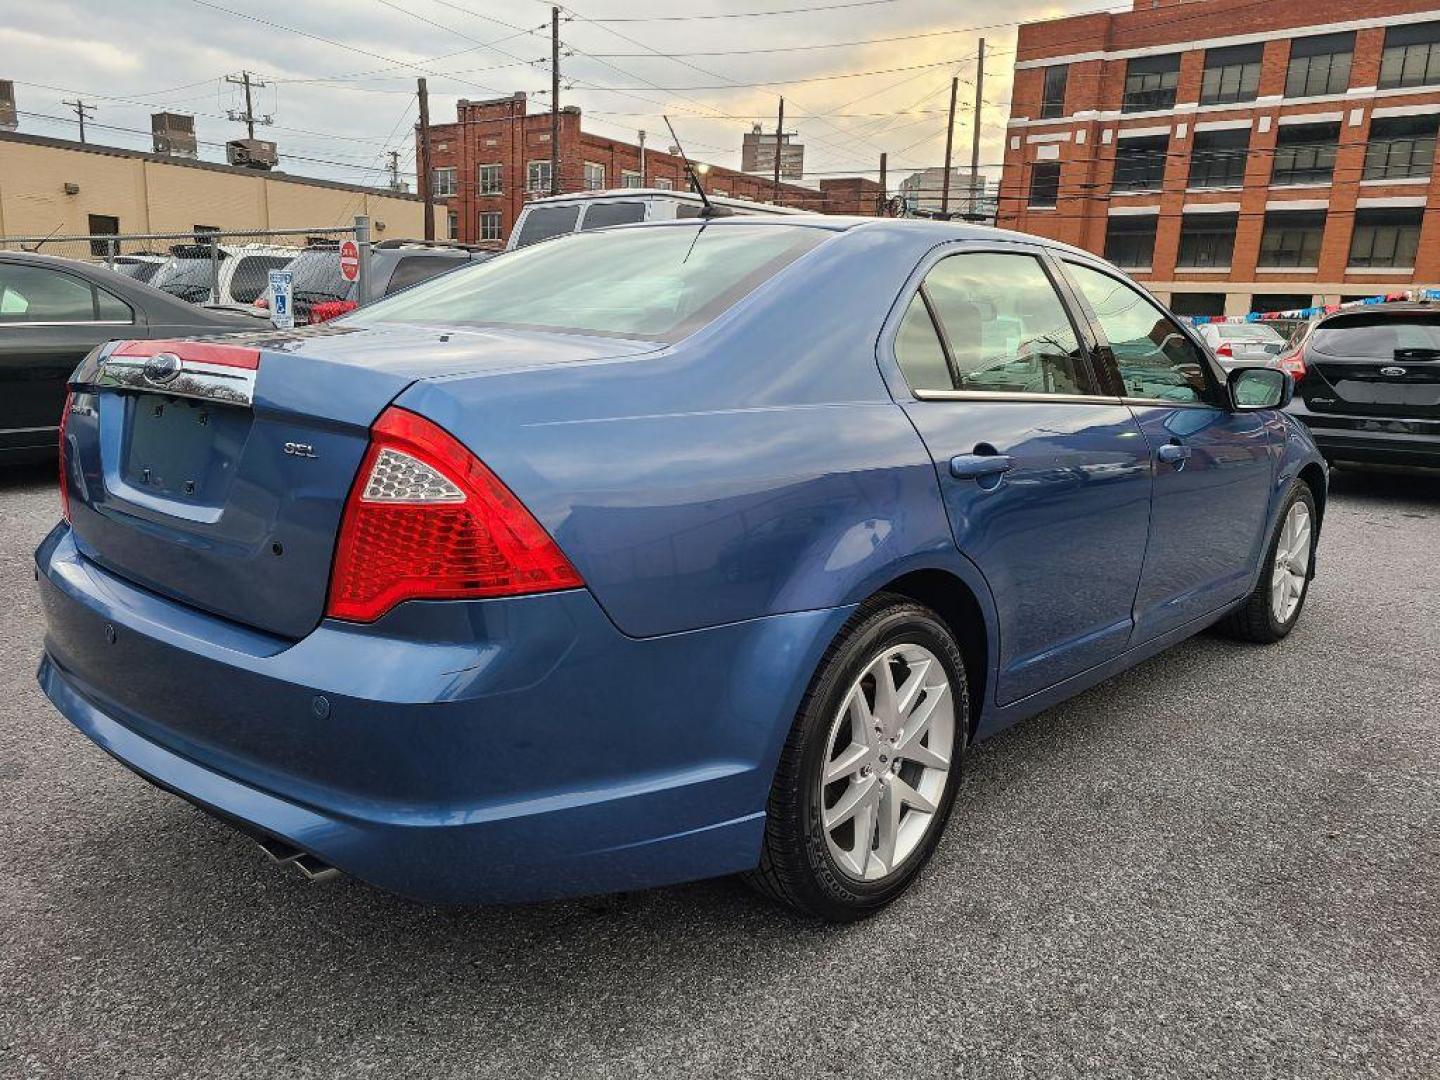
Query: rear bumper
[
  {"x": 454, "y": 752},
  {"x": 1376, "y": 440}
]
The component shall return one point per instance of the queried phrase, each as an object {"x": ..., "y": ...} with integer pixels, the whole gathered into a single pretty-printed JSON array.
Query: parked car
[
  {"x": 321, "y": 292},
  {"x": 52, "y": 312},
  {"x": 656, "y": 553},
  {"x": 556, "y": 215},
  {"x": 140, "y": 266},
  {"x": 244, "y": 272},
  {"x": 1369, "y": 383},
  {"x": 1234, "y": 344}
]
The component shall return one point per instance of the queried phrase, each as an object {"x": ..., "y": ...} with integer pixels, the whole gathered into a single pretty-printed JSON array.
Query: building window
[
  {"x": 594, "y": 176},
  {"x": 490, "y": 179},
  {"x": 1140, "y": 163},
  {"x": 629, "y": 179},
  {"x": 1305, "y": 153},
  {"x": 1130, "y": 240},
  {"x": 537, "y": 177},
  {"x": 1231, "y": 74},
  {"x": 1411, "y": 56},
  {"x": 1197, "y": 303},
  {"x": 1150, "y": 83},
  {"x": 664, "y": 183},
  {"x": 452, "y": 223},
  {"x": 1218, "y": 158},
  {"x": 1045, "y": 183},
  {"x": 1052, "y": 100},
  {"x": 442, "y": 182},
  {"x": 1386, "y": 237},
  {"x": 490, "y": 225},
  {"x": 1292, "y": 238},
  {"x": 1319, "y": 65},
  {"x": 1263, "y": 302},
  {"x": 1207, "y": 240},
  {"x": 1401, "y": 147},
  {"x": 104, "y": 225}
]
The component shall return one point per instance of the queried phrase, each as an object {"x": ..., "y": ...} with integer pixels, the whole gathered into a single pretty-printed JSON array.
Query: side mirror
[{"x": 1254, "y": 388}]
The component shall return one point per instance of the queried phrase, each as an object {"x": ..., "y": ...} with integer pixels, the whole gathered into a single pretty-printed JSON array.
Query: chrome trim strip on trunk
[{"x": 193, "y": 379}]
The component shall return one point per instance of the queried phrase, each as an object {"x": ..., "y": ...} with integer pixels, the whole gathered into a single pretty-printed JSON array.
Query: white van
[{"x": 555, "y": 215}]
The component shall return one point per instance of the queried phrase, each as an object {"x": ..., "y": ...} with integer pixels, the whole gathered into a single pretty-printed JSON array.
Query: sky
[{"x": 340, "y": 74}]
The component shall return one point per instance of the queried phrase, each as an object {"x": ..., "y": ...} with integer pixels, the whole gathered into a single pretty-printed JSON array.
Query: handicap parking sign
[{"x": 282, "y": 314}]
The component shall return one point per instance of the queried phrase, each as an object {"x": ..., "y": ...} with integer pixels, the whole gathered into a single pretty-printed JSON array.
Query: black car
[
  {"x": 322, "y": 292},
  {"x": 1368, "y": 383},
  {"x": 52, "y": 312}
]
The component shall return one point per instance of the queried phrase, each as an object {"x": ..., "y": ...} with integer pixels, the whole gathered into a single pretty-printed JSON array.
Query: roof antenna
[{"x": 711, "y": 210}]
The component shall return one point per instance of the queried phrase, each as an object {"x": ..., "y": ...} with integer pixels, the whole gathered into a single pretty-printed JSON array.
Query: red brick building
[
  {"x": 1235, "y": 155},
  {"x": 496, "y": 157}
]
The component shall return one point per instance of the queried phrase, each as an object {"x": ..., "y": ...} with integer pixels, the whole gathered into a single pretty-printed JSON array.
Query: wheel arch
[{"x": 1313, "y": 476}]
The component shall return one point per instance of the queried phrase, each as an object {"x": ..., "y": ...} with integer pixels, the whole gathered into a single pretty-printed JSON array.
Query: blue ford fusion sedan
[{"x": 656, "y": 553}]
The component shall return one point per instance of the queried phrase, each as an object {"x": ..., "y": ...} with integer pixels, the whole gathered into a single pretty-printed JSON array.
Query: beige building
[{"x": 56, "y": 186}]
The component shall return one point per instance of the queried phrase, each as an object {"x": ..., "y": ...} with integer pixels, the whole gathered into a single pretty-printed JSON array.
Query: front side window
[
  {"x": 1387, "y": 237},
  {"x": 1218, "y": 158},
  {"x": 490, "y": 180},
  {"x": 1401, "y": 147},
  {"x": 537, "y": 176},
  {"x": 1052, "y": 100},
  {"x": 1150, "y": 83},
  {"x": 1319, "y": 65},
  {"x": 1140, "y": 163},
  {"x": 658, "y": 284},
  {"x": 1305, "y": 153},
  {"x": 30, "y": 294},
  {"x": 490, "y": 225},
  {"x": 1000, "y": 327},
  {"x": 594, "y": 176},
  {"x": 1231, "y": 74},
  {"x": 442, "y": 182},
  {"x": 1292, "y": 238},
  {"x": 1130, "y": 240},
  {"x": 1045, "y": 183},
  {"x": 1207, "y": 240},
  {"x": 1411, "y": 56},
  {"x": 1153, "y": 356}
]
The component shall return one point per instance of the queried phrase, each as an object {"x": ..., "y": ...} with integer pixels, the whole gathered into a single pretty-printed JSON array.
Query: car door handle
[
  {"x": 1173, "y": 453},
  {"x": 974, "y": 466}
]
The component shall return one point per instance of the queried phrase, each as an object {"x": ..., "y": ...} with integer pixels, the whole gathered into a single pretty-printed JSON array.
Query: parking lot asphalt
[{"x": 1223, "y": 863}]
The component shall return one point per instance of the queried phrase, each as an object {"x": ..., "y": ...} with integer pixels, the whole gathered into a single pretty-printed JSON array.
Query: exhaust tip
[{"x": 283, "y": 854}]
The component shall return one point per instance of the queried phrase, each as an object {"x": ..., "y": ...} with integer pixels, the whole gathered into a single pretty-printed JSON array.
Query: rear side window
[
  {"x": 546, "y": 221},
  {"x": 111, "y": 308},
  {"x": 1001, "y": 327},
  {"x": 599, "y": 215},
  {"x": 1377, "y": 337},
  {"x": 414, "y": 269},
  {"x": 660, "y": 282},
  {"x": 31, "y": 294}
]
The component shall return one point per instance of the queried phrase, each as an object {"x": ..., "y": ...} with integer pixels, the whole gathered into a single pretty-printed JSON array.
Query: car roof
[
  {"x": 1396, "y": 308},
  {"x": 680, "y": 194}
]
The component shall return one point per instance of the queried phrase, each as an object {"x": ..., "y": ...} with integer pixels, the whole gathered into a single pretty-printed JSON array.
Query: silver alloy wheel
[
  {"x": 887, "y": 760},
  {"x": 1292, "y": 563}
]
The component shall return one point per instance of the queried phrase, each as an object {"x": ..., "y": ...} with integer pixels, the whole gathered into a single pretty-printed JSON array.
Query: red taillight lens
[
  {"x": 1294, "y": 363},
  {"x": 261, "y": 302},
  {"x": 330, "y": 309},
  {"x": 426, "y": 520},
  {"x": 64, "y": 477},
  {"x": 1224, "y": 349}
]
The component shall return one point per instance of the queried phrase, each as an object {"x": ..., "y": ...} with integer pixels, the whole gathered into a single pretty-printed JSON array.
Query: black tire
[
  {"x": 1255, "y": 619},
  {"x": 796, "y": 866}
]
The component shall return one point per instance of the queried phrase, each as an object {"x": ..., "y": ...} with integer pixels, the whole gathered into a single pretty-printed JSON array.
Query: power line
[{"x": 743, "y": 14}]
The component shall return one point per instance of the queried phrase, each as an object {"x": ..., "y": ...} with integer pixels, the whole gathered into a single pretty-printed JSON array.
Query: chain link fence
[{"x": 226, "y": 267}]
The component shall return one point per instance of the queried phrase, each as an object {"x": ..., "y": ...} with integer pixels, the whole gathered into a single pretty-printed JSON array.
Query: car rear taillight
[
  {"x": 64, "y": 478},
  {"x": 330, "y": 309},
  {"x": 1293, "y": 362},
  {"x": 1225, "y": 349},
  {"x": 426, "y": 520}
]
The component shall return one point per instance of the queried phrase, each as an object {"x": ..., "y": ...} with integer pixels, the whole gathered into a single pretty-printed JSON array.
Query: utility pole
[
  {"x": 642, "y": 157},
  {"x": 426, "y": 192},
  {"x": 248, "y": 117},
  {"x": 394, "y": 156},
  {"x": 554, "y": 101},
  {"x": 975, "y": 134},
  {"x": 949, "y": 145},
  {"x": 779, "y": 134},
  {"x": 83, "y": 111},
  {"x": 884, "y": 186}
]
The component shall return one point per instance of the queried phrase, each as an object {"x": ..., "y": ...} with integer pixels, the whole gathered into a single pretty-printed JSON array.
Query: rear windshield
[
  {"x": 1249, "y": 332},
  {"x": 658, "y": 283},
  {"x": 1378, "y": 337},
  {"x": 317, "y": 276},
  {"x": 187, "y": 278}
]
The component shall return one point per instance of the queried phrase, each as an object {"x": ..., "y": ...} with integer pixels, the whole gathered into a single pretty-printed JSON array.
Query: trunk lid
[
  {"x": 222, "y": 484},
  {"x": 1382, "y": 364}
]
